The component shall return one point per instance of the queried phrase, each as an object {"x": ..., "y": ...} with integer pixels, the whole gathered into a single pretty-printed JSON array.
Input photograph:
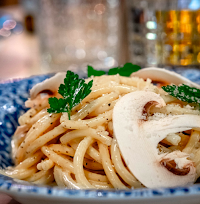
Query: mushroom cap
[
  {"x": 138, "y": 139},
  {"x": 52, "y": 84},
  {"x": 163, "y": 75}
]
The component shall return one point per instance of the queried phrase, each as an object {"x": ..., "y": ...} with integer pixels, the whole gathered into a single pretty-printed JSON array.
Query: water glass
[{"x": 76, "y": 33}]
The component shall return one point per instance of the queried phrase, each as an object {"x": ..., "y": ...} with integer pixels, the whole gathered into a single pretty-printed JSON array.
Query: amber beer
[{"x": 178, "y": 37}]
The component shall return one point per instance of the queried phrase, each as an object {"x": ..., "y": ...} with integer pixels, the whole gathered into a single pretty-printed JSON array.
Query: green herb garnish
[
  {"x": 126, "y": 70},
  {"x": 184, "y": 93},
  {"x": 93, "y": 72},
  {"x": 74, "y": 90}
]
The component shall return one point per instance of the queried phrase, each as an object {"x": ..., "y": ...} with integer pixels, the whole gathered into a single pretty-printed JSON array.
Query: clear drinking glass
[
  {"x": 142, "y": 29},
  {"x": 76, "y": 33},
  {"x": 170, "y": 34}
]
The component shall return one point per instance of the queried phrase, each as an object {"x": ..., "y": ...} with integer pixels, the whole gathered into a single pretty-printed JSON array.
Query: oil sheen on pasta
[{"x": 50, "y": 149}]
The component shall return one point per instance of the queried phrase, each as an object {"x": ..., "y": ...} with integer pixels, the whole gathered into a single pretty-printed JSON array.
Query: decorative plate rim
[{"x": 16, "y": 187}]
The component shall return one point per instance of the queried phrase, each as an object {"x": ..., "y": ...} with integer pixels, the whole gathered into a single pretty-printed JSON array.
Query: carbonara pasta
[{"x": 82, "y": 152}]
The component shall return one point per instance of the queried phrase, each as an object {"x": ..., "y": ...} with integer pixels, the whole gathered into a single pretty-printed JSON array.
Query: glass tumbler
[
  {"x": 164, "y": 33},
  {"x": 74, "y": 34}
]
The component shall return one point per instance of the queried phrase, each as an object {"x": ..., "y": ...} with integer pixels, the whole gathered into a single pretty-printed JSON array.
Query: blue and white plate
[{"x": 12, "y": 97}]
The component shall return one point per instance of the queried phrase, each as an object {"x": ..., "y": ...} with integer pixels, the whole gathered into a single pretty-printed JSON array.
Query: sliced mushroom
[
  {"x": 49, "y": 85},
  {"x": 163, "y": 76},
  {"x": 138, "y": 139}
]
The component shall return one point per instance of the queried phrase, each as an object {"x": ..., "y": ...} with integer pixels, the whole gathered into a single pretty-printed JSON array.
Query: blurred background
[{"x": 42, "y": 36}]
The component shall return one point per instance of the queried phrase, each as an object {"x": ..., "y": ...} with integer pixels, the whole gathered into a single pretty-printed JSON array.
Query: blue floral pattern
[{"x": 12, "y": 98}]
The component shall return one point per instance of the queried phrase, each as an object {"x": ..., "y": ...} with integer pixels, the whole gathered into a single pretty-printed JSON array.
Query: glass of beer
[{"x": 171, "y": 34}]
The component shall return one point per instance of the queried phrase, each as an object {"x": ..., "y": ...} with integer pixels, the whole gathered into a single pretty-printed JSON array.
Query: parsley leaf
[
  {"x": 93, "y": 72},
  {"x": 74, "y": 90},
  {"x": 183, "y": 92},
  {"x": 126, "y": 70}
]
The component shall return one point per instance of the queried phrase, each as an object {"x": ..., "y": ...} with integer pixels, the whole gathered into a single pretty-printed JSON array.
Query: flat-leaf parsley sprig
[
  {"x": 74, "y": 90},
  {"x": 183, "y": 92},
  {"x": 125, "y": 70}
]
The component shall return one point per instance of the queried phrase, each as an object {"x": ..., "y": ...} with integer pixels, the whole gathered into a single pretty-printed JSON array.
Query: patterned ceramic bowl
[{"x": 13, "y": 94}]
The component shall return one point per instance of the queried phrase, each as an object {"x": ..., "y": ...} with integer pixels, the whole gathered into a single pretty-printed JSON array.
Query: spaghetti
[{"x": 82, "y": 152}]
